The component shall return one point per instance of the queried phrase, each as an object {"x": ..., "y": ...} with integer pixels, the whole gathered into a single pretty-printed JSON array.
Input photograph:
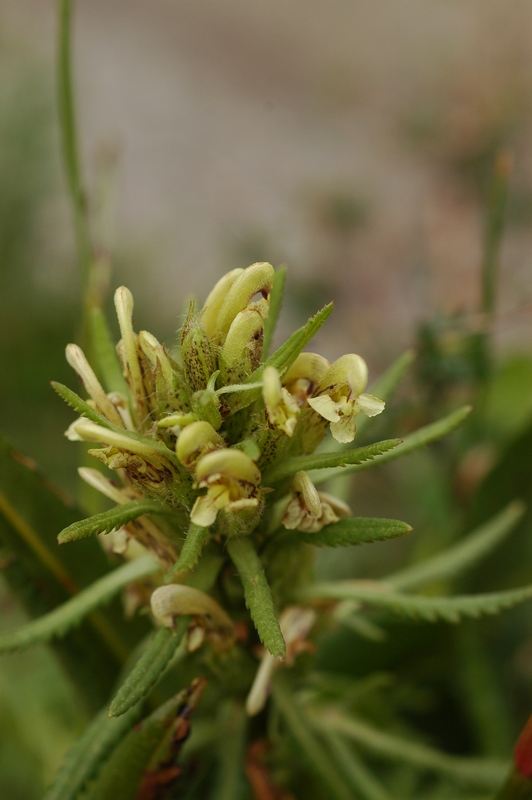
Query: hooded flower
[
  {"x": 231, "y": 479},
  {"x": 340, "y": 396},
  {"x": 310, "y": 510}
]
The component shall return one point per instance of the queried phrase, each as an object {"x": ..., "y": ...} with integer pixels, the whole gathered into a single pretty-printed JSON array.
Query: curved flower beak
[{"x": 231, "y": 479}]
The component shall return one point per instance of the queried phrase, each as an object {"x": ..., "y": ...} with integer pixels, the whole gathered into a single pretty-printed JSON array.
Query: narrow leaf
[
  {"x": 61, "y": 619},
  {"x": 481, "y": 772},
  {"x": 309, "y": 745},
  {"x": 84, "y": 760},
  {"x": 362, "y": 781},
  {"x": 133, "y": 770},
  {"x": 258, "y": 594},
  {"x": 285, "y": 355},
  {"x": 80, "y": 406},
  {"x": 413, "y": 441},
  {"x": 288, "y": 467},
  {"x": 352, "y": 531},
  {"x": 191, "y": 552},
  {"x": 107, "y": 521},
  {"x": 462, "y": 555},
  {"x": 276, "y": 299},
  {"x": 149, "y": 667},
  {"x": 105, "y": 355},
  {"x": 449, "y": 609}
]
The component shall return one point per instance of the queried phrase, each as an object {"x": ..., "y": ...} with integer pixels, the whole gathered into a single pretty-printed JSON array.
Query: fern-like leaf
[
  {"x": 107, "y": 521},
  {"x": 462, "y": 555},
  {"x": 80, "y": 406},
  {"x": 352, "y": 531},
  {"x": 288, "y": 467},
  {"x": 258, "y": 594},
  {"x": 191, "y": 552},
  {"x": 61, "y": 619},
  {"x": 149, "y": 667},
  {"x": 84, "y": 760},
  {"x": 431, "y": 609}
]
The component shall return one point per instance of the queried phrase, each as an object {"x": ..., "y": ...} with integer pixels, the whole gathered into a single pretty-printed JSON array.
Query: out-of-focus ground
[{"x": 351, "y": 140}]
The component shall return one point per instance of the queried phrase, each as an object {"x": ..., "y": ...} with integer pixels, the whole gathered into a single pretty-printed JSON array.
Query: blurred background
[{"x": 353, "y": 141}]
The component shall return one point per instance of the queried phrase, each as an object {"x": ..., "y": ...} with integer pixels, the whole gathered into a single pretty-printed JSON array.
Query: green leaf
[
  {"x": 286, "y": 354},
  {"x": 276, "y": 299},
  {"x": 107, "y": 521},
  {"x": 80, "y": 406},
  {"x": 362, "y": 781},
  {"x": 410, "y": 443},
  {"x": 61, "y": 619},
  {"x": 431, "y": 609},
  {"x": 43, "y": 576},
  {"x": 462, "y": 555},
  {"x": 352, "y": 531},
  {"x": 84, "y": 760},
  {"x": 481, "y": 772},
  {"x": 258, "y": 594},
  {"x": 105, "y": 356},
  {"x": 308, "y": 744},
  {"x": 149, "y": 667},
  {"x": 134, "y": 765},
  {"x": 191, "y": 552},
  {"x": 288, "y": 467}
]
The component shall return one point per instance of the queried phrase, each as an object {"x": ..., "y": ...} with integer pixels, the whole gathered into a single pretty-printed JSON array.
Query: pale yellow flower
[
  {"x": 340, "y": 396},
  {"x": 231, "y": 479},
  {"x": 282, "y": 408}
]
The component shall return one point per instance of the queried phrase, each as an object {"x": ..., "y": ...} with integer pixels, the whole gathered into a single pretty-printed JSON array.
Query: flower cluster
[{"x": 196, "y": 431}]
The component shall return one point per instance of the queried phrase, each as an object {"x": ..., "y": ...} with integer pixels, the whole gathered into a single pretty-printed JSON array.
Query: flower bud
[
  {"x": 130, "y": 360},
  {"x": 242, "y": 349},
  {"x": 195, "y": 441},
  {"x": 168, "y": 602},
  {"x": 199, "y": 361},
  {"x": 304, "y": 376},
  {"x": 256, "y": 278},
  {"x": 215, "y": 300}
]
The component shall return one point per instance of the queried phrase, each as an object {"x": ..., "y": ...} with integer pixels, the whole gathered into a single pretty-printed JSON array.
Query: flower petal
[
  {"x": 203, "y": 512},
  {"x": 370, "y": 405},
  {"x": 325, "y": 406},
  {"x": 344, "y": 430}
]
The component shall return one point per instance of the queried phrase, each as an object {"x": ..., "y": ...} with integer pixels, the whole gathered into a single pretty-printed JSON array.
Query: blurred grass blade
[
  {"x": 149, "y": 667},
  {"x": 410, "y": 443},
  {"x": 232, "y": 726},
  {"x": 107, "y": 521},
  {"x": 431, "y": 609},
  {"x": 258, "y": 594},
  {"x": 43, "y": 576},
  {"x": 479, "y": 772},
  {"x": 351, "y": 531},
  {"x": 462, "y": 555},
  {"x": 363, "y": 783},
  {"x": 276, "y": 299},
  {"x": 191, "y": 552},
  {"x": 494, "y": 230},
  {"x": 310, "y": 747},
  {"x": 66, "y": 616},
  {"x": 288, "y": 467},
  {"x": 84, "y": 760},
  {"x": 133, "y": 769}
]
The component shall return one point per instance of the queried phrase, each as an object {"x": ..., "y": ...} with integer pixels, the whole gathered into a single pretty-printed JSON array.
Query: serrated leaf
[
  {"x": 107, "y": 521},
  {"x": 288, "y": 467},
  {"x": 352, "y": 531},
  {"x": 481, "y": 772},
  {"x": 84, "y": 760},
  {"x": 191, "y": 552},
  {"x": 462, "y": 555},
  {"x": 258, "y": 594},
  {"x": 66, "y": 616},
  {"x": 431, "y": 609},
  {"x": 149, "y": 667},
  {"x": 43, "y": 576},
  {"x": 134, "y": 764},
  {"x": 276, "y": 299},
  {"x": 80, "y": 406},
  {"x": 410, "y": 443},
  {"x": 104, "y": 350}
]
